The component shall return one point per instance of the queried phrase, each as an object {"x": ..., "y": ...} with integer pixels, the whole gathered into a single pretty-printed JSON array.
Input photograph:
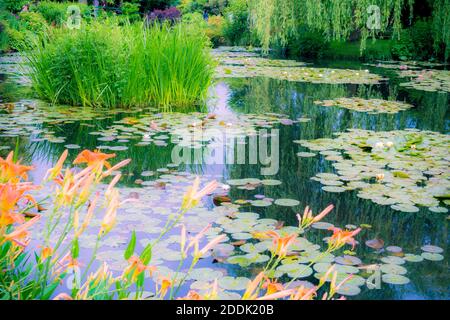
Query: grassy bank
[{"x": 108, "y": 65}]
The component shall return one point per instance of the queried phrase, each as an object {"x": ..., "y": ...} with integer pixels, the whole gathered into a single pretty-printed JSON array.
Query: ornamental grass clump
[{"x": 110, "y": 65}]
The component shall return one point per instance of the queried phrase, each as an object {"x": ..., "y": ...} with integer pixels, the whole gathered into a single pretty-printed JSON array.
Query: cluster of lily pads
[
  {"x": 405, "y": 169},
  {"x": 27, "y": 117},
  {"x": 371, "y": 106},
  {"x": 251, "y": 66},
  {"x": 427, "y": 80},
  {"x": 192, "y": 130}
]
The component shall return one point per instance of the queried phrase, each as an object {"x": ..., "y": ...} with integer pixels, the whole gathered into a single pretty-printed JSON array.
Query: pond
[{"x": 289, "y": 107}]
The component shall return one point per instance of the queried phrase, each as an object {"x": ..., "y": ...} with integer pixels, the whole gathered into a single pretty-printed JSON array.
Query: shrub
[
  {"x": 16, "y": 39},
  {"x": 416, "y": 43},
  {"x": 14, "y": 5},
  {"x": 103, "y": 64},
  {"x": 171, "y": 15},
  {"x": 56, "y": 13},
  {"x": 214, "y": 30},
  {"x": 307, "y": 44},
  {"x": 131, "y": 11},
  {"x": 33, "y": 22}
]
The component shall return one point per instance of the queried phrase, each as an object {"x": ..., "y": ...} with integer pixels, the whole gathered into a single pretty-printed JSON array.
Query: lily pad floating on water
[
  {"x": 348, "y": 290},
  {"x": 271, "y": 182},
  {"x": 432, "y": 249},
  {"x": 432, "y": 256},
  {"x": 394, "y": 279},
  {"x": 205, "y": 274},
  {"x": 393, "y": 269},
  {"x": 394, "y": 249},
  {"x": 260, "y": 203},
  {"x": 322, "y": 225},
  {"x": 231, "y": 283},
  {"x": 376, "y": 244},
  {"x": 412, "y": 257},
  {"x": 306, "y": 154},
  {"x": 364, "y": 105},
  {"x": 287, "y": 202},
  {"x": 333, "y": 189},
  {"x": 393, "y": 260},
  {"x": 348, "y": 260}
]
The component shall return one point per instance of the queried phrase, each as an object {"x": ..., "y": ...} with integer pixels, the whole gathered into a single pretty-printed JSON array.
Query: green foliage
[
  {"x": 378, "y": 50},
  {"x": 104, "y": 64},
  {"x": 214, "y": 7},
  {"x": 14, "y": 5},
  {"x": 55, "y": 13},
  {"x": 237, "y": 28},
  {"x": 307, "y": 44},
  {"x": 417, "y": 43},
  {"x": 131, "y": 11},
  {"x": 403, "y": 48},
  {"x": 214, "y": 30},
  {"x": 276, "y": 20},
  {"x": 34, "y": 22},
  {"x": 441, "y": 26}
]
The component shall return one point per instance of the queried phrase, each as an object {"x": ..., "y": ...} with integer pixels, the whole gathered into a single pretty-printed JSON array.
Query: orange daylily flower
[
  {"x": 193, "y": 196},
  {"x": 192, "y": 295},
  {"x": 166, "y": 283},
  {"x": 12, "y": 172},
  {"x": 109, "y": 220},
  {"x": 281, "y": 244},
  {"x": 46, "y": 252},
  {"x": 341, "y": 237},
  {"x": 200, "y": 253},
  {"x": 303, "y": 293},
  {"x": 20, "y": 234},
  {"x": 137, "y": 266},
  {"x": 94, "y": 158},
  {"x": 251, "y": 293},
  {"x": 10, "y": 195},
  {"x": 308, "y": 219},
  {"x": 56, "y": 170},
  {"x": 272, "y": 286},
  {"x": 277, "y": 295}
]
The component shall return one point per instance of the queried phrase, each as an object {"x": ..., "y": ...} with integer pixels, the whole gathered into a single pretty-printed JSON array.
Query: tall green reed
[{"x": 109, "y": 65}]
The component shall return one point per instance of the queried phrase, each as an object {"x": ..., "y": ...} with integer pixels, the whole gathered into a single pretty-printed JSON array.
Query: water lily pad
[
  {"x": 205, "y": 274},
  {"x": 287, "y": 202},
  {"x": 394, "y": 279},
  {"x": 306, "y": 154},
  {"x": 261, "y": 203},
  {"x": 231, "y": 283},
  {"x": 412, "y": 257},
  {"x": 393, "y": 269},
  {"x": 394, "y": 249},
  {"x": 432, "y": 256},
  {"x": 348, "y": 290},
  {"x": 322, "y": 225},
  {"x": 348, "y": 260},
  {"x": 432, "y": 249},
  {"x": 393, "y": 260}
]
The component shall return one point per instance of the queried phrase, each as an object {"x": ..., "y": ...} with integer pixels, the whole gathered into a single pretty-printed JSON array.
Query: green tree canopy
[{"x": 276, "y": 20}]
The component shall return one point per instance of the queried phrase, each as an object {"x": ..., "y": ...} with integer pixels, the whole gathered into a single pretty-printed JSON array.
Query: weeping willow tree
[
  {"x": 275, "y": 21},
  {"x": 441, "y": 25}
]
